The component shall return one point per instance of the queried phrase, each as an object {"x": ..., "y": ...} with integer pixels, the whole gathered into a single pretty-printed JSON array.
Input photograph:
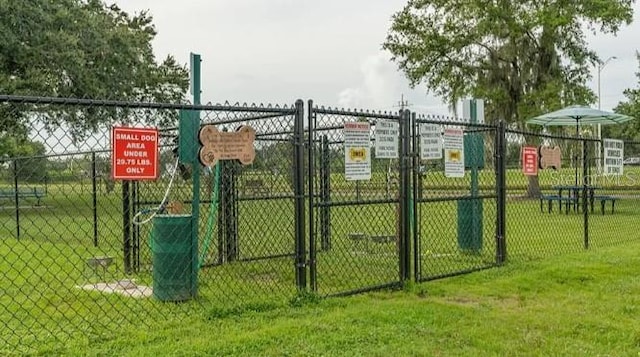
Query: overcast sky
[{"x": 276, "y": 51}]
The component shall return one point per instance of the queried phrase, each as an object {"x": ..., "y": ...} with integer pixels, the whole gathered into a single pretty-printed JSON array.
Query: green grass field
[
  {"x": 580, "y": 304},
  {"x": 41, "y": 304}
]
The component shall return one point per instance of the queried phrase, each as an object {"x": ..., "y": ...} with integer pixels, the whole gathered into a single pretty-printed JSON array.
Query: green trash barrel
[{"x": 174, "y": 256}]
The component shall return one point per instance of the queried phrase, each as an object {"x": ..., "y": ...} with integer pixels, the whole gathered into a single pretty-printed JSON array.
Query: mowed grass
[
  {"x": 580, "y": 304},
  {"x": 41, "y": 304}
]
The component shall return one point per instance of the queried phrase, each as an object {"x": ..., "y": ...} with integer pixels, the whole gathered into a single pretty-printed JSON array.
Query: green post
[
  {"x": 195, "y": 168},
  {"x": 470, "y": 211},
  {"x": 173, "y": 278},
  {"x": 478, "y": 150}
]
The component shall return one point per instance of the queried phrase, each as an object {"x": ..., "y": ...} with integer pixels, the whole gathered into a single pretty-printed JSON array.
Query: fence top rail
[
  {"x": 550, "y": 136},
  {"x": 237, "y": 107},
  {"x": 453, "y": 122},
  {"x": 356, "y": 113}
]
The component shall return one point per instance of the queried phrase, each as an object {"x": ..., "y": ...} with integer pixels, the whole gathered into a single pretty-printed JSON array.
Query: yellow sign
[
  {"x": 357, "y": 154},
  {"x": 454, "y": 155}
]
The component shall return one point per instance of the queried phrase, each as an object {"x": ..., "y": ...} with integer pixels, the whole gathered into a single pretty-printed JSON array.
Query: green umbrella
[{"x": 579, "y": 115}]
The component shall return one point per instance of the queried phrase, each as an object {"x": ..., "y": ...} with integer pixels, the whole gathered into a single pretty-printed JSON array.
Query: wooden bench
[
  {"x": 255, "y": 186},
  {"x": 34, "y": 192},
  {"x": 603, "y": 200},
  {"x": 568, "y": 201}
]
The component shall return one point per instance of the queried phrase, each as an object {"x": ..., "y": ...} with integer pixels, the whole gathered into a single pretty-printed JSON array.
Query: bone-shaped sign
[
  {"x": 220, "y": 145},
  {"x": 550, "y": 157}
]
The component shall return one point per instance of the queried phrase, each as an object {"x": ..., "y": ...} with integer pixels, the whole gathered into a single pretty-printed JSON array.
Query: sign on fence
[
  {"x": 220, "y": 145},
  {"x": 430, "y": 142},
  {"x": 530, "y": 161},
  {"x": 468, "y": 108},
  {"x": 357, "y": 151},
  {"x": 613, "y": 156},
  {"x": 387, "y": 133},
  {"x": 134, "y": 153},
  {"x": 453, "y": 152}
]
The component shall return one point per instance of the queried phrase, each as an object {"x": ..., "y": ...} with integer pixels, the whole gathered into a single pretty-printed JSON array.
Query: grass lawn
[
  {"x": 582, "y": 304},
  {"x": 42, "y": 308}
]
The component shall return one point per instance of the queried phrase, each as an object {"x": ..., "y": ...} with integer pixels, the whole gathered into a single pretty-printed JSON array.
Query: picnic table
[
  {"x": 573, "y": 196},
  {"x": 30, "y": 192}
]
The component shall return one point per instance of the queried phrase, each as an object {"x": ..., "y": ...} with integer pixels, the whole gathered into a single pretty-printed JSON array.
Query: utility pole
[
  {"x": 403, "y": 103},
  {"x": 601, "y": 65}
]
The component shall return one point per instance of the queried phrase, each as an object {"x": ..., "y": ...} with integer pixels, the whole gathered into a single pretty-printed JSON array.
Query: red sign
[
  {"x": 530, "y": 161},
  {"x": 134, "y": 153}
]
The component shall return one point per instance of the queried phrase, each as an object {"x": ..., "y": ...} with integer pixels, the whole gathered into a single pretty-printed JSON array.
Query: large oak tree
[
  {"x": 523, "y": 57},
  {"x": 79, "y": 49}
]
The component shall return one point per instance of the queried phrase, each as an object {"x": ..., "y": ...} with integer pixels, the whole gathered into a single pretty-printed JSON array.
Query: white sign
[
  {"x": 613, "y": 156},
  {"x": 357, "y": 151},
  {"x": 466, "y": 111},
  {"x": 453, "y": 152},
  {"x": 387, "y": 133},
  {"x": 430, "y": 142}
]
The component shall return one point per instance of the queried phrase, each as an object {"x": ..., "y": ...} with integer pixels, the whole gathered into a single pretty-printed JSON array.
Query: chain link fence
[
  {"x": 84, "y": 257},
  {"x": 80, "y": 251},
  {"x": 572, "y": 203}
]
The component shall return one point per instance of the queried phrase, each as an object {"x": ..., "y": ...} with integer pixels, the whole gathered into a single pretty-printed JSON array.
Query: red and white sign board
[
  {"x": 134, "y": 153},
  {"x": 530, "y": 161}
]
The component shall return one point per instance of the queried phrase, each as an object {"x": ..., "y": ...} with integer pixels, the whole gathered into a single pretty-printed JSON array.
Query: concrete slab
[{"x": 123, "y": 287}]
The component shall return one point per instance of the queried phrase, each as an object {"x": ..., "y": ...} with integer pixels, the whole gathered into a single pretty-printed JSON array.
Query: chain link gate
[
  {"x": 440, "y": 226},
  {"x": 358, "y": 230},
  {"x": 457, "y": 225}
]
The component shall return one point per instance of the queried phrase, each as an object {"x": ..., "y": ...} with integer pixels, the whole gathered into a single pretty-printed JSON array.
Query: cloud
[{"x": 380, "y": 86}]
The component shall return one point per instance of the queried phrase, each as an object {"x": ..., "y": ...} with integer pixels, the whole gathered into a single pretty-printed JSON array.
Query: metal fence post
[
  {"x": 126, "y": 225},
  {"x": 231, "y": 212},
  {"x": 195, "y": 71},
  {"x": 405, "y": 181},
  {"x": 501, "y": 192},
  {"x": 222, "y": 202},
  {"x": 325, "y": 189},
  {"x": 94, "y": 194},
  {"x": 585, "y": 196},
  {"x": 312, "y": 197},
  {"x": 136, "y": 229},
  {"x": 417, "y": 190},
  {"x": 16, "y": 197},
  {"x": 298, "y": 177}
]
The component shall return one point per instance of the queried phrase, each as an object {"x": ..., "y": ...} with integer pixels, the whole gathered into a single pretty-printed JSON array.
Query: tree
[
  {"x": 80, "y": 49},
  {"x": 522, "y": 57},
  {"x": 631, "y": 107},
  {"x": 29, "y": 163}
]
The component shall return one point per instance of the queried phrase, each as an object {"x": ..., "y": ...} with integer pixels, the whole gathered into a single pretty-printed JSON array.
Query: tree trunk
[{"x": 533, "y": 189}]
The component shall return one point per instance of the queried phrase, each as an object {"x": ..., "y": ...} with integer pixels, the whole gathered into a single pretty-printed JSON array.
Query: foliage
[
  {"x": 631, "y": 107},
  {"x": 80, "y": 49},
  {"x": 31, "y": 166},
  {"x": 523, "y": 57}
]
